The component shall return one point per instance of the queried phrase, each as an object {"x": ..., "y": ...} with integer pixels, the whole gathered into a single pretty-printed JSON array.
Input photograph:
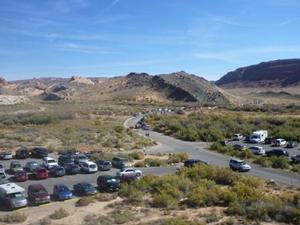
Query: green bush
[
  {"x": 178, "y": 157},
  {"x": 136, "y": 155},
  {"x": 280, "y": 162},
  {"x": 165, "y": 200},
  {"x": 155, "y": 162},
  {"x": 178, "y": 221},
  {"x": 59, "y": 214}
]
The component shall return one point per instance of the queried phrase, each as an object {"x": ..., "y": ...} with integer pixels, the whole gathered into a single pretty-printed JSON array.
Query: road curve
[{"x": 199, "y": 150}]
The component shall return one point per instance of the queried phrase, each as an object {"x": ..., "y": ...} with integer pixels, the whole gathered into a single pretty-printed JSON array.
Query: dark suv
[
  {"x": 120, "y": 162},
  {"x": 39, "y": 152},
  {"x": 193, "y": 162},
  {"x": 108, "y": 183},
  {"x": 277, "y": 152},
  {"x": 103, "y": 165},
  {"x": 38, "y": 194},
  {"x": 22, "y": 153}
]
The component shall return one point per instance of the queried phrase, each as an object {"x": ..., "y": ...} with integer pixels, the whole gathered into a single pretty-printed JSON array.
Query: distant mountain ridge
[
  {"x": 278, "y": 73},
  {"x": 179, "y": 86}
]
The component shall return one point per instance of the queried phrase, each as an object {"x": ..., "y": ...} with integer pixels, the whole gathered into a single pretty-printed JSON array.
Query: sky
[{"x": 61, "y": 38}]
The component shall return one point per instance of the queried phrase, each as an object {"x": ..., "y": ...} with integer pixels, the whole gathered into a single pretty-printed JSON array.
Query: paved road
[{"x": 198, "y": 150}]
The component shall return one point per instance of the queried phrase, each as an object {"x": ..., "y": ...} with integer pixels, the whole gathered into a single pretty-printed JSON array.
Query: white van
[
  {"x": 12, "y": 196},
  {"x": 258, "y": 136}
]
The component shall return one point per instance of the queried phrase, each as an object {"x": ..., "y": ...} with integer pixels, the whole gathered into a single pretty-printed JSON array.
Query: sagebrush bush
[
  {"x": 59, "y": 214},
  {"x": 178, "y": 157},
  {"x": 14, "y": 217}
]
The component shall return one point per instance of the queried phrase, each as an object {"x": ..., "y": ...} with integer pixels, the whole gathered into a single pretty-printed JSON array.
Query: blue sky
[{"x": 40, "y": 38}]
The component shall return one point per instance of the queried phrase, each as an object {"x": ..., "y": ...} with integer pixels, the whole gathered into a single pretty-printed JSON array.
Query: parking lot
[
  {"x": 70, "y": 180},
  {"x": 291, "y": 151}
]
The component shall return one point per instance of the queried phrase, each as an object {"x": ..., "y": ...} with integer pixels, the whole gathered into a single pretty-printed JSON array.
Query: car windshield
[
  {"x": 106, "y": 163},
  {"x": 92, "y": 166},
  {"x": 63, "y": 188},
  {"x": 39, "y": 190},
  {"x": 15, "y": 166},
  {"x": 82, "y": 157},
  {"x": 111, "y": 180},
  {"x": 16, "y": 195},
  {"x": 32, "y": 164},
  {"x": 51, "y": 161}
]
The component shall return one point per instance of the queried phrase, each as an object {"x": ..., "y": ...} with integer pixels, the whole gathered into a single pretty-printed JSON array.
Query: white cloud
[{"x": 85, "y": 49}]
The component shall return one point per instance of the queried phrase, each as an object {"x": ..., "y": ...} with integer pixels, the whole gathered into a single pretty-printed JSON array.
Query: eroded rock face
[
  {"x": 278, "y": 73},
  {"x": 81, "y": 80}
]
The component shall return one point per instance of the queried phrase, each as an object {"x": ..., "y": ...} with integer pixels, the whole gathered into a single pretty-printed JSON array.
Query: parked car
[
  {"x": 224, "y": 142},
  {"x": 89, "y": 167},
  {"x": 30, "y": 166},
  {"x": 39, "y": 152},
  {"x": 72, "y": 168},
  {"x": 295, "y": 159},
  {"x": 15, "y": 166},
  {"x": 239, "y": 147},
  {"x": 22, "y": 153},
  {"x": 239, "y": 165},
  {"x": 65, "y": 159},
  {"x": 193, "y": 162},
  {"x": 84, "y": 188},
  {"x": 37, "y": 194},
  {"x": 21, "y": 176},
  {"x": 62, "y": 192},
  {"x": 120, "y": 162},
  {"x": 12, "y": 196},
  {"x": 292, "y": 144},
  {"x": 269, "y": 141},
  {"x": 237, "y": 137},
  {"x": 81, "y": 158},
  {"x": 257, "y": 150},
  {"x": 108, "y": 183},
  {"x": 49, "y": 162},
  {"x": 40, "y": 173},
  {"x": 3, "y": 175},
  {"x": 277, "y": 152},
  {"x": 6, "y": 155},
  {"x": 129, "y": 172},
  {"x": 280, "y": 142},
  {"x": 57, "y": 171},
  {"x": 104, "y": 165}
]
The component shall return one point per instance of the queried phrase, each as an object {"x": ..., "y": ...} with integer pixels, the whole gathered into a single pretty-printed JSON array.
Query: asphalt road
[{"x": 199, "y": 150}]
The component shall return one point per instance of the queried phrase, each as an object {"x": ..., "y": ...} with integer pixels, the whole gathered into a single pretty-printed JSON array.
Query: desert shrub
[
  {"x": 263, "y": 161},
  {"x": 105, "y": 197},
  {"x": 178, "y": 157},
  {"x": 119, "y": 129},
  {"x": 133, "y": 195},
  {"x": 59, "y": 214},
  {"x": 121, "y": 217},
  {"x": 247, "y": 154},
  {"x": 280, "y": 162},
  {"x": 155, "y": 162},
  {"x": 136, "y": 155},
  {"x": 165, "y": 200},
  {"x": 178, "y": 221},
  {"x": 14, "y": 217},
  {"x": 140, "y": 164},
  {"x": 85, "y": 201}
]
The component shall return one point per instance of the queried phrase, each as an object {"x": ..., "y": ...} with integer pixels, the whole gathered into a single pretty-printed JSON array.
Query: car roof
[
  {"x": 237, "y": 160},
  {"x": 11, "y": 188},
  {"x": 36, "y": 186}
]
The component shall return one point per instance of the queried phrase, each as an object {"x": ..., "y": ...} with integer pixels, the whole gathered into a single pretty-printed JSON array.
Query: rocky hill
[
  {"x": 278, "y": 73},
  {"x": 138, "y": 87}
]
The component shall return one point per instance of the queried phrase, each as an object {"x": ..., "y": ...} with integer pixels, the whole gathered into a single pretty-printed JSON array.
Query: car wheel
[{"x": 138, "y": 174}]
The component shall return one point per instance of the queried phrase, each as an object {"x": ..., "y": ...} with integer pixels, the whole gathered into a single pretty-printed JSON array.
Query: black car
[
  {"x": 193, "y": 162},
  {"x": 104, "y": 165},
  {"x": 65, "y": 159},
  {"x": 277, "y": 152},
  {"x": 84, "y": 188},
  {"x": 269, "y": 140},
  {"x": 108, "y": 183},
  {"x": 291, "y": 144},
  {"x": 22, "y": 153},
  {"x": 57, "y": 171},
  {"x": 295, "y": 159},
  {"x": 72, "y": 169},
  {"x": 39, "y": 152}
]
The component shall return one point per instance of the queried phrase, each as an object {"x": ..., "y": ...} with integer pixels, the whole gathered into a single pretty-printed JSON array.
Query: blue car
[{"x": 62, "y": 192}]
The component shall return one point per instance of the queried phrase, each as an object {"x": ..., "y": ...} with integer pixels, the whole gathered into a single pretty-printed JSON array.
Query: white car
[
  {"x": 6, "y": 155},
  {"x": 81, "y": 158},
  {"x": 258, "y": 150},
  {"x": 89, "y": 167},
  {"x": 280, "y": 142},
  {"x": 49, "y": 162},
  {"x": 129, "y": 172}
]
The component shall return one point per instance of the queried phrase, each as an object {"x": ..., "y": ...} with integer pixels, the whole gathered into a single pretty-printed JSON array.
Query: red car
[
  {"x": 21, "y": 176},
  {"x": 40, "y": 173}
]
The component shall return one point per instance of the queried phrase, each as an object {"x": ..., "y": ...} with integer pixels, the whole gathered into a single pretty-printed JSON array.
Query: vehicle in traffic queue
[
  {"x": 37, "y": 194},
  {"x": 62, "y": 192}
]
